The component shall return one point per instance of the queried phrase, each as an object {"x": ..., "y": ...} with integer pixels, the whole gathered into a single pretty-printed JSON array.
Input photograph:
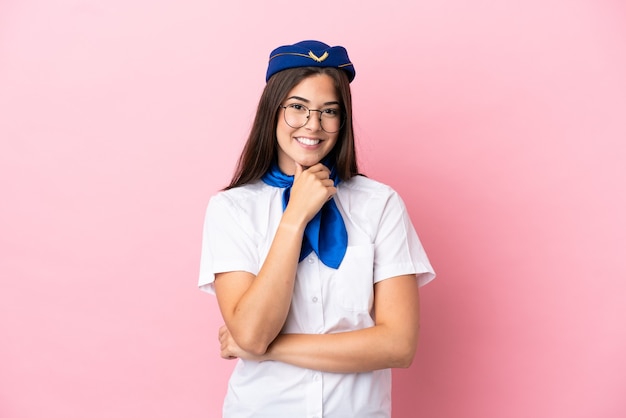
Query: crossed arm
[
  {"x": 391, "y": 342},
  {"x": 255, "y": 308}
]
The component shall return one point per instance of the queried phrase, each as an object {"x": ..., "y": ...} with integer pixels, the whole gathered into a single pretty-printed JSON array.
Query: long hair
[{"x": 261, "y": 148}]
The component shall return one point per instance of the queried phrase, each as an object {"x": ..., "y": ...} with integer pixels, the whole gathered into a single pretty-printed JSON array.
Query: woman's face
[{"x": 308, "y": 144}]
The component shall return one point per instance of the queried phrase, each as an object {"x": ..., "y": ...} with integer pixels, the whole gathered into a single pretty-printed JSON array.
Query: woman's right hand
[{"x": 312, "y": 187}]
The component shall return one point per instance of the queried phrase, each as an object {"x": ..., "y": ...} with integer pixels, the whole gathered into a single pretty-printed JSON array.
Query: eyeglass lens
[{"x": 297, "y": 115}]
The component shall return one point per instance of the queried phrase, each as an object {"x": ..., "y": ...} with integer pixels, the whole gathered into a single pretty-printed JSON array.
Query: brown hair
[{"x": 260, "y": 149}]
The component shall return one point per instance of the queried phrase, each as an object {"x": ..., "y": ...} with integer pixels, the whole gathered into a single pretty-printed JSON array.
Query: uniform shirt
[{"x": 239, "y": 228}]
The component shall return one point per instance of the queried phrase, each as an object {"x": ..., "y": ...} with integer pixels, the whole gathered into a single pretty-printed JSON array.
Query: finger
[
  {"x": 319, "y": 167},
  {"x": 222, "y": 331},
  {"x": 299, "y": 170},
  {"x": 321, "y": 171},
  {"x": 323, "y": 174}
]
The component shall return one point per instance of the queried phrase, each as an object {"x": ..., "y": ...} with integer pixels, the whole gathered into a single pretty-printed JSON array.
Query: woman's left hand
[{"x": 229, "y": 349}]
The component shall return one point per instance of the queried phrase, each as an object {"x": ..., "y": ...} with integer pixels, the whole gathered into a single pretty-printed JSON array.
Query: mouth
[{"x": 307, "y": 141}]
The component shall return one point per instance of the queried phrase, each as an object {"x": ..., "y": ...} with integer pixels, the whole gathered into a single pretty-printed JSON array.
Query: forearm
[
  {"x": 259, "y": 314},
  {"x": 391, "y": 342},
  {"x": 255, "y": 307},
  {"x": 374, "y": 348}
]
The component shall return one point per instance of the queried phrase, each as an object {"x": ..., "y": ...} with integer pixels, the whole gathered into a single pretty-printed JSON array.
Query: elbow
[
  {"x": 249, "y": 339},
  {"x": 253, "y": 344},
  {"x": 256, "y": 350},
  {"x": 404, "y": 349},
  {"x": 403, "y": 359},
  {"x": 402, "y": 354}
]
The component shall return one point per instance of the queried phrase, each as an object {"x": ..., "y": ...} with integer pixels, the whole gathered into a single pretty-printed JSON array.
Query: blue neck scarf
[{"x": 326, "y": 233}]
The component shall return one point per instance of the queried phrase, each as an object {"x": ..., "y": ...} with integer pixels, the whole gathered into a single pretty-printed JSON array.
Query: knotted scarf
[{"x": 326, "y": 233}]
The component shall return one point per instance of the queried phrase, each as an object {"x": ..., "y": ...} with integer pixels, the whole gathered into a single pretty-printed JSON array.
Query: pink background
[{"x": 501, "y": 123}]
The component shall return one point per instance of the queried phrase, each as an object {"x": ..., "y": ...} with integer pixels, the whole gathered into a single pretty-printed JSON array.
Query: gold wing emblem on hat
[{"x": 316, "y": 58}]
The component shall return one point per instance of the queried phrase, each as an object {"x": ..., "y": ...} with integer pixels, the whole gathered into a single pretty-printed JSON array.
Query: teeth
[{"x": 307, "y": 141}]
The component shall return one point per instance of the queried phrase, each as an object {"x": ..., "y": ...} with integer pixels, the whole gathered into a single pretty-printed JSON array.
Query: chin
[{"x": 309, "y": 163}]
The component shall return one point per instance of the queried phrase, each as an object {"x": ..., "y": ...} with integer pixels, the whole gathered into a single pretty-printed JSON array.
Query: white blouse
[{"x": 240, "y": 225}]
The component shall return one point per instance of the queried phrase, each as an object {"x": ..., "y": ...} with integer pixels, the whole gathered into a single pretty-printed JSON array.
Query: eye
[
  {"x": 297, "y": 106},
  {"x": 330, "y": 113}
]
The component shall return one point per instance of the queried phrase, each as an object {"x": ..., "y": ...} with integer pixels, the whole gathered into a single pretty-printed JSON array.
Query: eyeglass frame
[{"x": 284, "y": 107}]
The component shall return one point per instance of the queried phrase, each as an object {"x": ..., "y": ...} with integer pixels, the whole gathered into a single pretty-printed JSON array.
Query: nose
[{"x": 316, "y": 125}]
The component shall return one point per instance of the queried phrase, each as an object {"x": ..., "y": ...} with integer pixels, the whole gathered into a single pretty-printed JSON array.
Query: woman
[{"x": 316, "y": 268}]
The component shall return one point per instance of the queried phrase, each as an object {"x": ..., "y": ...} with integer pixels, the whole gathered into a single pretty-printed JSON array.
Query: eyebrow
[{"x": 302, "y": 99}]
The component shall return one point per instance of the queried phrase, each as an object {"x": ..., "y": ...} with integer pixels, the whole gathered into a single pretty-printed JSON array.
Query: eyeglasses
[{"x": 297, "y": 115}]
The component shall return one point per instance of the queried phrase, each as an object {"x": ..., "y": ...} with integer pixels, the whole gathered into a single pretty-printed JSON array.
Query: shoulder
[
  {"x": 251, "y": 206},
  {"x": 366, "y": 201},
  {"x": 368, "y": 184},
  {"x": 366, "y": 189},
  {"x": 242, "y": 196},
  {"x": 249, "y": 201}
]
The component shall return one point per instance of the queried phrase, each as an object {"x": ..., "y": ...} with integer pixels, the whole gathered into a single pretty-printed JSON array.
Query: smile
[{"x": 307, "y": 141}]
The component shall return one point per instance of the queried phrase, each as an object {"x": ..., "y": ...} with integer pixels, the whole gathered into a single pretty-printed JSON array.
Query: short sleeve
[
  {"x": 227, "y": 242},
  {"x": 397, "y": 248}
]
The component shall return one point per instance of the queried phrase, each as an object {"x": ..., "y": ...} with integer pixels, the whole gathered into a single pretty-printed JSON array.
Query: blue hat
[{"x": 309, "y": 54}]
